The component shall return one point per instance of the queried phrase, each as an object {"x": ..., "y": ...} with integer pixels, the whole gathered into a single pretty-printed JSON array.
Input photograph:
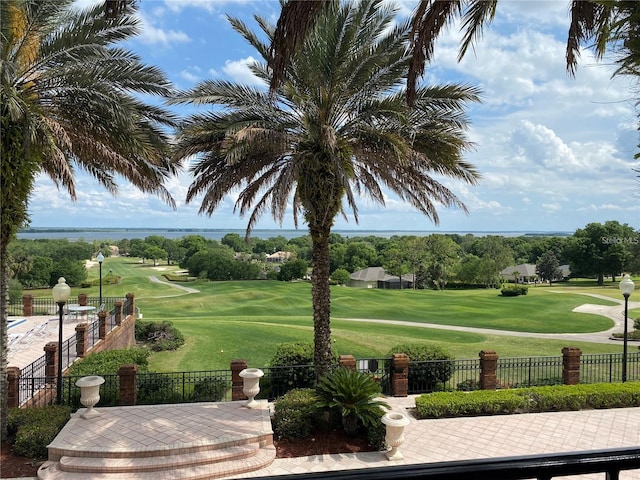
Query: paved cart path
[{"x": 614, "y": 312}]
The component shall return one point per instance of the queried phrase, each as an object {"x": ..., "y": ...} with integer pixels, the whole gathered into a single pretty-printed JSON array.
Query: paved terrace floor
[
  {"x": 36, "y": 332},
  {"x": 426, "y": 441}
]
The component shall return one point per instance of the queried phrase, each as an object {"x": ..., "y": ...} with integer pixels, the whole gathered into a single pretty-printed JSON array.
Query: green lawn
[{"x": 229, "y": 320}]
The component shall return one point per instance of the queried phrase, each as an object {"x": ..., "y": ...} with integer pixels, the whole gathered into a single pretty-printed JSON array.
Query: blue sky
[{"x": 555, "y": 152}]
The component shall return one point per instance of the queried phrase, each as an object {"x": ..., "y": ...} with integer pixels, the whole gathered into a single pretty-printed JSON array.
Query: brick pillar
[
  {"x": 102, "y": 325},
  {"x": 400, "y": 375},
  {"x": 13, "y": 390},
  {"x": 82, "y": 339},
  {"x": 82, "y": 299},
  {"x": 127, "y": 374},
  {"x": 488, "y": 370},
  {"x": 347, "y": 361},
  {"x": 236, "y": 380},
  {"x": 132, "y": 299},
  {"x": 119, "y": 307},
  {"x": 51, "y": 361},
  {"x": 571, "y": 365},
  {"x": 27, "y": 305}
]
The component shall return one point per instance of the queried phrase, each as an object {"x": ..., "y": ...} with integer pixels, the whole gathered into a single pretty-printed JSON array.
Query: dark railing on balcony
[
  {"x": 607, "y": 367},
  {"x": 517, "y": 372},
  {"x": 608, "y": 462}
]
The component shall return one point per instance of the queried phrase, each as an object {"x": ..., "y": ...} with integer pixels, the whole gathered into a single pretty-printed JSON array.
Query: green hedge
[
  {"x": 514, "y": 290},
  {"x": 32, "y": 429},
  {"x": 526, "y": 400}
]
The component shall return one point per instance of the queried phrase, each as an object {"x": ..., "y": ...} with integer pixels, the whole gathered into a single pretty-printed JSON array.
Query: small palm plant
[{"x": 355, "y": 394}]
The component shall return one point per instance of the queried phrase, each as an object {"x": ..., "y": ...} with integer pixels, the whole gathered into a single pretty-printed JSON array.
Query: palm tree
[
  {"x": 336, "y": 128},
  {"x": 67, "y": 96},
  {"x": 590, "y": 21}
]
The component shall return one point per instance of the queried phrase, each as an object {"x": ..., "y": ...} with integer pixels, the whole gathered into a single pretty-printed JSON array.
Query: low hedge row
[
  {"x": 30, "y": 430},
  {"x": 528, "y": 400}
]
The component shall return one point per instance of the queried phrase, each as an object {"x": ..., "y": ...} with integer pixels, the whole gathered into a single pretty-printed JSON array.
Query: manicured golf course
[{"x": 248, "y": 319}]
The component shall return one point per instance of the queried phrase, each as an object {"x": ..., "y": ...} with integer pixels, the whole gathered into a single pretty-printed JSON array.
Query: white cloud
[
  {"x": 239, "y": 71},
  {"x": 152, "y": 35}
]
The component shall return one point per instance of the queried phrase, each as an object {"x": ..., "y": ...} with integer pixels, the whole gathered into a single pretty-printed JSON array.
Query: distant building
[
  {"x": 523, "y": 273},
  {"x": 375, "y": 277},
  {"x": 526, "y": 273},
  {"x": 279, "y": 257}
]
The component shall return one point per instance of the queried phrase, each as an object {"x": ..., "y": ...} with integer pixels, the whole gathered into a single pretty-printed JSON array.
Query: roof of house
[
  {"x": 524, "y": 270},
  {"x": 370, "y": 274},
  {"x": 376, "y": 274}
]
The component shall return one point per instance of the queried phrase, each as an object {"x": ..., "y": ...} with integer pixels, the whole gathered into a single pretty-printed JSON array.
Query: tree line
[{"x": 436, "y": 260}]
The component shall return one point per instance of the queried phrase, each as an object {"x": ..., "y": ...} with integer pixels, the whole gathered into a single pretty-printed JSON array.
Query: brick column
[
  {"x": 27, "y": 305},
  {"x": 347, "y": 361},
  {"x": 119, "y": 307},
  {"x": 400, "y": 375},
  {"x": 51, "y": 361},
  {"x": 132, "y": 299},
  {"x": 82, "y": 338},
  {"x": 102, "y": 325},
  {"x": 128, "y": 392},
  {"x": 13, "y": 391},
  {"x": 571, "y": 365},
  {"x": 83, "y": 299},
  {"x": 236, "y": 380},
  {"x": 488, "y": 370}
]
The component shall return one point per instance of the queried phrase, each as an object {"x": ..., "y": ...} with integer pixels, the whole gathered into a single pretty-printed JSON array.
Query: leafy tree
[
  {"x": 337, "y": 256},
  {"x": 39, "y": 275},
  {"x": 70, "y": 100},
  {"x": 235, "y": 241},
  {"x": 359, "y": 255},
  {"x": 442, "y": 260},
  {"x": 74, "y": 272},
  {"x": 340, "y": 276},
  {"x": 469, "y": 269},
  {"x": 599, "y": 249},
  {"x": 154, "y": 253},
  {"x": 547, "y": 267},
  {"x": 337, "y": 126},
  {"x": 293, "y": 270},
  {"x": 137, "y": 246},
  {"x": 395, "y": 262}
]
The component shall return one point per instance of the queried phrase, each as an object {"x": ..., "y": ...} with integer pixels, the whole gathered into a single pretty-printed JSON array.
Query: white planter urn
[
  {"x": 90, "y": 394},
  {"x": 395, "y": 423},
  {"x": 251, "y": 385}
]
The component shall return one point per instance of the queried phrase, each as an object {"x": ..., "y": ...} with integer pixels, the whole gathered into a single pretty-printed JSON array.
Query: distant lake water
[{"x": 115, "y": 234}]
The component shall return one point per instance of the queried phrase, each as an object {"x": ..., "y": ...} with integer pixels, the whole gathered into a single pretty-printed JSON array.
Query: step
[
  {"x": 263, "y": 457},
  {"x": 155, "y": 463}
]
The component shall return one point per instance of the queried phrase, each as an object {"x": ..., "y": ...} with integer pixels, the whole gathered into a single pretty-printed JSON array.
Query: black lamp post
[
  {"x": 626, "y": 287},
  {"x": 61, "y": 293},
  {"x": 100, "y": 259}
]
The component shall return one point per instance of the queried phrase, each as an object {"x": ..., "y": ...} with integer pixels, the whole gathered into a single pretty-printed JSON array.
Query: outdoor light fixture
[
  {"x": 626, "y": 287},
  {"x": 61, "y": 292},
  {"x": 100, "y": 259}
]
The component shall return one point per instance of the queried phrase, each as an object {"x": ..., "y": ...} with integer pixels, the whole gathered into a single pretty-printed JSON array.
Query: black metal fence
[
  {"x": 424, "y": 377},
  {"x": 33, "y": 378},
  {"x": 46, "y": 305}
]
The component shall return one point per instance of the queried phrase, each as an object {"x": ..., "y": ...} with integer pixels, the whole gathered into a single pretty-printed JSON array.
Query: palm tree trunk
[
  {"x": 4, "y": 303},
  {"x": 321, "y": 299}
]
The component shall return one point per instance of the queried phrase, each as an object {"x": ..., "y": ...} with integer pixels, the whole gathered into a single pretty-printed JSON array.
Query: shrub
[
  {"x": 535, "y": 399},
  {"x": 354, "y": 394},
  {"x": 514, "y": 290},
  {"x": 156, "y": 388},
  {"x": 436, "y": 368},
  {"x": 158, "y": 336},
  {"x": 210, "y": 389},
  {"x": 35, "y": 428},
  {"x": 293, "y": 356},
  {"x": 294, "y": 414},
  {"x": 109, "y": 362}
]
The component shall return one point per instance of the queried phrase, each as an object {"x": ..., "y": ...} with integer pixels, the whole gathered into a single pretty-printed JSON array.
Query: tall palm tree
[
  {"x": 336, "y": 128},
  {"x": 590, "y": 21},
  {"x": 68, "y": 102}
]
